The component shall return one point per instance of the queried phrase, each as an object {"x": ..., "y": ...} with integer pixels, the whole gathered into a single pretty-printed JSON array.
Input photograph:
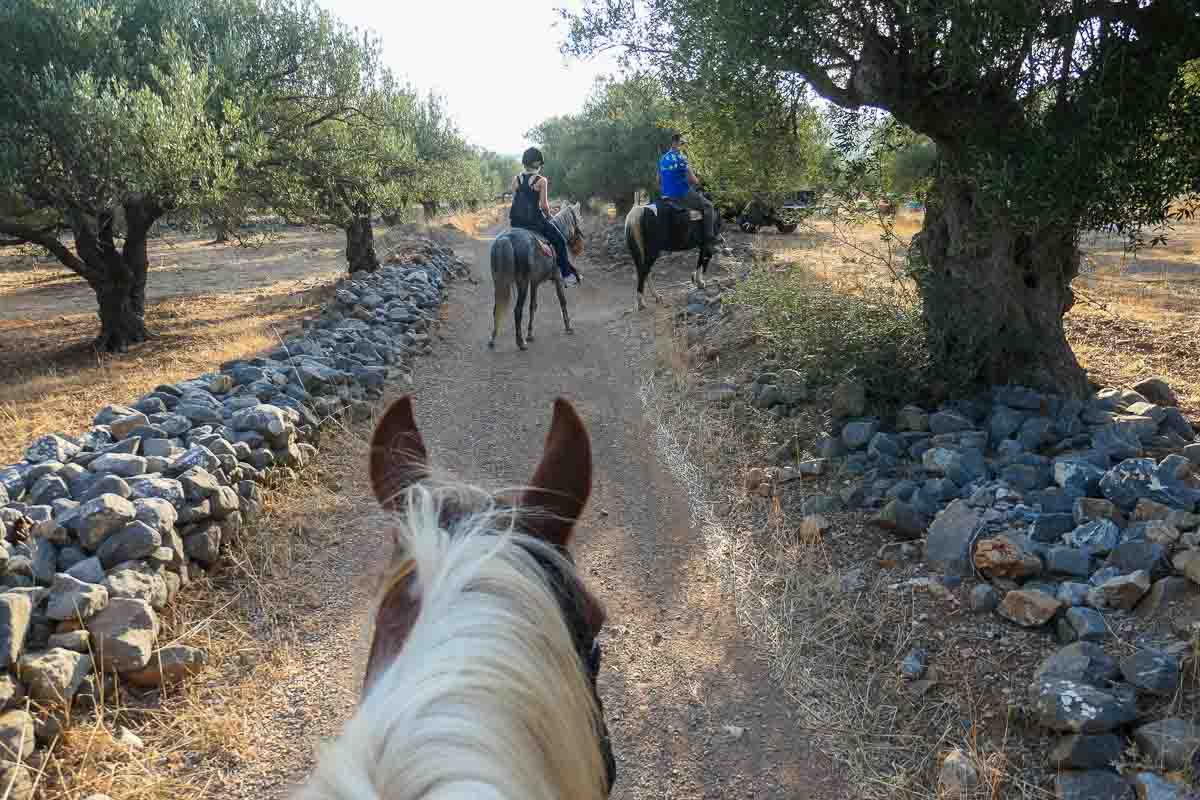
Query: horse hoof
[
  {"x": 570, "y": 331},
  {"x": 491, "y": 345},
  {"x": 529, "y": 338},
  {"x": 521, "y": 346}
]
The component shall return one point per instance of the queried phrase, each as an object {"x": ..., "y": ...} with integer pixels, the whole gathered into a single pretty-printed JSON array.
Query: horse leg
[
  {"x": 562, "y": 304},
  {"x": 519, "y": 310},
  {"x": 696, "y": 278},
  {"x": 643, "y": 274},
  {"x": 533, "y": 292}
]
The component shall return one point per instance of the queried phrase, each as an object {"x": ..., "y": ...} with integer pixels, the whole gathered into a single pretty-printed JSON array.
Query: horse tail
[
  {"x": 504, "y": 270},
  {"x": 635, "y": 237}
]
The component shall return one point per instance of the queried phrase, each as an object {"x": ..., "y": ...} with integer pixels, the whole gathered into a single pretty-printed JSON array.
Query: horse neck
[
  {"x": 515, "y": 724},
  {"x": 560, "y": 221}
]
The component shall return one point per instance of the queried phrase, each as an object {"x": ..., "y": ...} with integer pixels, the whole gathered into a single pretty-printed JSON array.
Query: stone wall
[{"x": 100, "y": 531}]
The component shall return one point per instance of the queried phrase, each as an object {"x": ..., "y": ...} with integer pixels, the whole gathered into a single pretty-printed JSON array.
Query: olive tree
[
  {"x": 115, "y": 112},
  {"x": 1049, "y": 117}
]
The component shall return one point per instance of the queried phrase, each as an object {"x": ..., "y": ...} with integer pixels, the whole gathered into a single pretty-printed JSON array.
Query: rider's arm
[
  {"x": 692, "y": 179},
  {"x": 544, "y": 195}
]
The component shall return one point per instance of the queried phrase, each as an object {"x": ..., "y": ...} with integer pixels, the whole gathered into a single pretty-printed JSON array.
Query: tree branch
[{"x": 31, "y": 235}]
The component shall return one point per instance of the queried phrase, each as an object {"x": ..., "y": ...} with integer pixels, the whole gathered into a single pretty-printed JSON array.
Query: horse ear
[
  {"x": 561, "y": 485},
  {"x": 398, "y": 457}
]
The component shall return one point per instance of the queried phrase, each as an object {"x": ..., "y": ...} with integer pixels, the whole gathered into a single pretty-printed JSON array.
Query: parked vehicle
[{"x": 785, "y": 215}]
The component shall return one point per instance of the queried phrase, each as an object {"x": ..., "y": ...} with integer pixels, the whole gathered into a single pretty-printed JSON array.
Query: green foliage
[
  {"x": 1069, "y": 115},
  {"x": 758, "y": 136},
  {"x": 497, "y": 170},
  {"x": 611, "y": 148},
  {"x": 830, "y": 335}
]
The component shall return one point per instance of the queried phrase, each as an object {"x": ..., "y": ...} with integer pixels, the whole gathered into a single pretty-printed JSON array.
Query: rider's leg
[
  {"x": 698, "y": 202},
  {"x": 551, "y": 232}
]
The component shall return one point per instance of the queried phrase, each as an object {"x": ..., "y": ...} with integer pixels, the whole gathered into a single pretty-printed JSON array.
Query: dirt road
[{"x": 693, "y": 713}]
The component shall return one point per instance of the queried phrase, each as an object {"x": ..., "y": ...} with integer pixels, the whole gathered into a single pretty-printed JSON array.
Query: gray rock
[
  {"x": 1083, "y": 625},
  {"x": 195, "y": 456},
  {"x": 110, "y": 413},
  {"x": 984, "y": 598},
  {"x": 1018, "y": 397},
  {"x": 1137, "y": 478},
  {"x": 157, "y": 513},
  {"x": 198, "y": 484},
  {"x": 1157, "y": 390},
  {"x": 902, "y": 519},
  {"x": 170, "y": 665},
  {"x": 120, "y": 464},
  {"x": 1083, "y": 662},
  {"x": 51, "y": 447},
  {"x": 1072, "y": 594},
  {"x": 948, "y": 545},
  {"x": 88, "y": 570},
  {"x": 1152, "y": 671},
  {"x": 1003, "y": 423},
  {"x": 1100, "y": 536},
  {"x": 100, "y": 517},
  {"x": 136, "y": 540},
  {"x": 1192, "y": 453},
  {"x": 1077, "y": 476},
  {"x": 1135, "y": 556},
  {"x": 856, "y": 435},
  {"x": 16, "y": 614},
  {"x": 1074, "y": 707},
  {"x": 124, "y": 634},
  {"x": 55, "y": 676},
  {"x": 1123, "y": 591},
  {"x": 1168, "y": 742},
  {"x": 1037, "y": 432},
  {"x": 105, "y": 484},
  {"x": 1072, "y": 561},
  {"x": 1151, "y": 786},
  {"x": 47, "y": 489},
  {"x": 138, "y": 583},
  {"x": 167, "y": 489},
  {"x": 1087, "y": 751},
  {"x": 1093, "y": 784},
  {"x": 71, "y": 598},
  {"x": 1051, "y": 527}
]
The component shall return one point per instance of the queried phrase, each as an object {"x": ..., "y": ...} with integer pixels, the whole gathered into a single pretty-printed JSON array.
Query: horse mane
[{"x": 487, "y": 698}]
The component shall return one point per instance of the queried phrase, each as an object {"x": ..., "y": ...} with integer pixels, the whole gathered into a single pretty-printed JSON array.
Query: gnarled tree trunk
[
  {"x": 995, "y": 295},
  {"x": 118, "y": 276},
  {"x": 431, "y": 209},
  {"x": 624, "y": 203},
  {"x": 360, "y": 243}
]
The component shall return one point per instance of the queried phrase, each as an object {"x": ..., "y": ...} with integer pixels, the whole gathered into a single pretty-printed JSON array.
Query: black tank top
[{"x": 525, "y": 211}]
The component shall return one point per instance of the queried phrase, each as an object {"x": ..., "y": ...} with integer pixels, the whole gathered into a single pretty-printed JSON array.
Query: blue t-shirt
[{"x": 673, "y": 172}]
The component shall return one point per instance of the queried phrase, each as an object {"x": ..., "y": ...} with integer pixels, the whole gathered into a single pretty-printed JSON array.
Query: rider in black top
[{"x": 531, "y": 210}]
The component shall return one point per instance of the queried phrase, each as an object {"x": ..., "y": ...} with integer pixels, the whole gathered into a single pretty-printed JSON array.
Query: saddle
[
  {"x": 540, "y": 241},
  {"x": 674, "y": 209}
]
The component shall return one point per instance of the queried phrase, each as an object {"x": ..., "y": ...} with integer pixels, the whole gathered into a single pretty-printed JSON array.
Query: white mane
[{"x": 486, "y": 699}]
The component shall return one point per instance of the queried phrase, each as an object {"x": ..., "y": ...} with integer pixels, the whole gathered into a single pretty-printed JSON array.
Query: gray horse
[{"x": 519, "y": 257}]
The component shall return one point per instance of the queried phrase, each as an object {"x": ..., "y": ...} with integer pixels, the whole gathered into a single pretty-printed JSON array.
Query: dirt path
[{"x": 679, "y": 680}]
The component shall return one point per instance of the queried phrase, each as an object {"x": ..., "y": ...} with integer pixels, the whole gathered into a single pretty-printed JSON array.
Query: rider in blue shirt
[{"x": 678, "y": 183}]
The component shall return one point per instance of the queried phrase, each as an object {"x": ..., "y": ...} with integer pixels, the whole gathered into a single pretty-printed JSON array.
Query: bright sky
[{"x": 496, "y": 61}]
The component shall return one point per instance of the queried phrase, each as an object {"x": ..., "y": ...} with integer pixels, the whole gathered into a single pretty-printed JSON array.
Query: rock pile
[
  {"x": 1076, "y": 515},
  {"x": 101, "y": 531}
]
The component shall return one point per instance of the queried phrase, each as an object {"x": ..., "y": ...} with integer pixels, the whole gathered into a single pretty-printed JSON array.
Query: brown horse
[{"x": 481, "y": 678}]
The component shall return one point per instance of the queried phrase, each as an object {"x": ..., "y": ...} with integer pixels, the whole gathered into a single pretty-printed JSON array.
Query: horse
[
  {"x": 519, "y": 257},
  {"x": 663, "y": 227},
  {"x": 481, "y": 675}
]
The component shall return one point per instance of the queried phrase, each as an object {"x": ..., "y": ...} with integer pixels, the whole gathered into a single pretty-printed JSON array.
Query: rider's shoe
[{"x": 571, "y": 280}]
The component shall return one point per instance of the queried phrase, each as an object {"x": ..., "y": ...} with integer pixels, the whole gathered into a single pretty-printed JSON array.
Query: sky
[{"x": 496, "y": 61}]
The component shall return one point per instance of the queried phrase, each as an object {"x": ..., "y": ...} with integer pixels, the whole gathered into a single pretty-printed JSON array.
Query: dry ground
[{"x": 206, "y": 303}]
